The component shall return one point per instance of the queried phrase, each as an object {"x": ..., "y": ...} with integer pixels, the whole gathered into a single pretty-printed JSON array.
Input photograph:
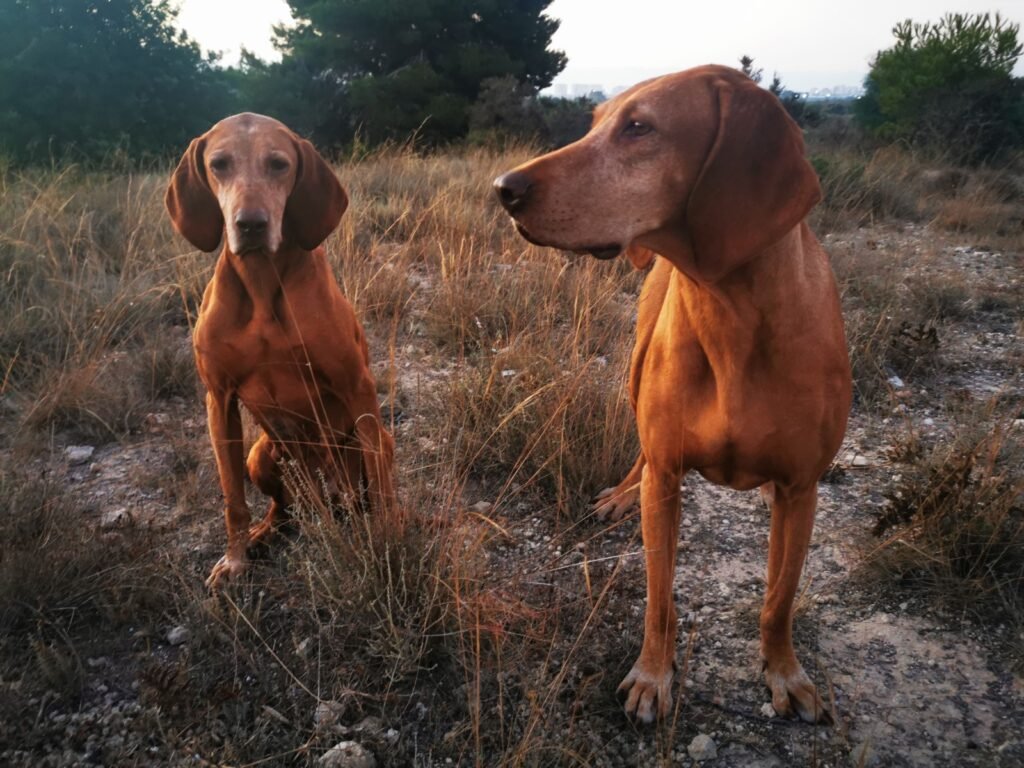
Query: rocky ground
[{"x": 912, "y": 685}]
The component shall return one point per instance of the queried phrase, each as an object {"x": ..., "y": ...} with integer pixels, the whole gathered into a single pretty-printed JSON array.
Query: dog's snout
[
  {"x": 512, "y": 189},
  {"x": 251, "y": 222}
]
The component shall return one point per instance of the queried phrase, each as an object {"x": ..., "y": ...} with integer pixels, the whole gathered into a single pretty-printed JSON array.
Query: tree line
[{"x": 91, "y": 78}]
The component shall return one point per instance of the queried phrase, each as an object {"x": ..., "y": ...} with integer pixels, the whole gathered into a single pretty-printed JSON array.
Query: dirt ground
[{"x": 911, "y": 685}]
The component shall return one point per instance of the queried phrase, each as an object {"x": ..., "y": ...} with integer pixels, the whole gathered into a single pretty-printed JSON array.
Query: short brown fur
[
  {"x": 274, "y": 332},
  {"x": 740, "y": 368}
]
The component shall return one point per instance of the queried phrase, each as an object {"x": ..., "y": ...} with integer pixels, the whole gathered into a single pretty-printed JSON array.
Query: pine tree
[
  {"x": 401, "y": 66},
  {"x": 91, "y": 76}
]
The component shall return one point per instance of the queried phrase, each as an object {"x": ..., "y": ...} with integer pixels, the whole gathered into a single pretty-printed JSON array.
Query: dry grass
[
  {"x": 515, "y": 358},
  {"x": 953, "y": 526},
  {"x": 503, "y": 365},
  {"x": 864, "y": 187}
]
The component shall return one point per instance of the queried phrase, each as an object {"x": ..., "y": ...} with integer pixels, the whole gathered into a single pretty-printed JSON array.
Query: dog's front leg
[
  {"x": 648, "y": 686},
  {"x": 792, "y": 521},
  {"x": 225, "y": 425}
]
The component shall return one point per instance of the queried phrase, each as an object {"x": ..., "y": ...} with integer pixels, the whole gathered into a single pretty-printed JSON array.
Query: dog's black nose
[
  {"x": 512, "y": 189},
  {"x": 251, "y": 222}
]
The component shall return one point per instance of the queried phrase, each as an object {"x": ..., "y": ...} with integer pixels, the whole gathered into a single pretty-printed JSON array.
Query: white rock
[
  {"x": 115, "y": 518},
  {"x": 768, "y": 710},
  {"x": 483, "y": 507},
  {"x": 702, "y": 748},
  {"x": 178, "y": 635},
  {"x": 347, "y": 754},
  {"x": 78, "y": 454},
  {"x": 929, "y": 422},
  {"x": 860, "y": 461},
  {"x": 328, "y": 713},
  {"x": 371, "y": 725},
  {"x": 896, "y": 382}
]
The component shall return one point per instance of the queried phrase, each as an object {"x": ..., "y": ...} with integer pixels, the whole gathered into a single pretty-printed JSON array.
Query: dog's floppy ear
[
  {"x": 193, "y": 207},
  {"x": 755, "y": 184},
  {"x": 639, "y": 256},
  {"x": 317, "y": 201}
]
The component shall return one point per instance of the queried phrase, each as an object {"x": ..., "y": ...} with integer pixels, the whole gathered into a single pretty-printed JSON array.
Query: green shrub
[{"x": 948, "y": 86}]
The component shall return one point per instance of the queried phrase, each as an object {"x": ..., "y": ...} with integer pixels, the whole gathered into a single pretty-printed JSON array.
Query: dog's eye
[
  {"x": 278, "y": 164},
  {"x": 220, "y": 164},
  {"x": 636, "y": 128}
]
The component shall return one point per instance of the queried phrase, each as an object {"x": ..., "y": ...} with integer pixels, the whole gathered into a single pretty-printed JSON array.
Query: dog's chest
[{"x": 280, "y": 372}]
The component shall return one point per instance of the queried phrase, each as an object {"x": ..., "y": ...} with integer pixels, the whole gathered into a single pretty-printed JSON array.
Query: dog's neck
[
  {"x": 771, "y": 280},
  {"x": 773, "y": 275},
  {"x": 264, "y": 275},
  {"x": 774, "y": 295}
]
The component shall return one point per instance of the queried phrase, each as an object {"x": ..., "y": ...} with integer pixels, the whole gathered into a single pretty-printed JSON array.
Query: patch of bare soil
[{"x": 911, "y": 686}]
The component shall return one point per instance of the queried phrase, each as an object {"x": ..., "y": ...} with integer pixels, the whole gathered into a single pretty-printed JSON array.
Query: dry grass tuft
[
  {"x": 64, "y": 582},
  {"x": 954, "y": 521}
]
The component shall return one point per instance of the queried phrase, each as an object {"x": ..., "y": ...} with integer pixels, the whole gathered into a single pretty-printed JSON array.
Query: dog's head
[
  {"x": 703, "y": 167},
  {"x": 250, "y": 176}
]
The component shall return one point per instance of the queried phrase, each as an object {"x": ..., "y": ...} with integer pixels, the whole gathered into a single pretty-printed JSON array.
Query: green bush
[{"x": 948, "y": 86}]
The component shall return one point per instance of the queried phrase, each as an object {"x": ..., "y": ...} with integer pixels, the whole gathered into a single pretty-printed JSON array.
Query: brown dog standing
[
  {"x": 740, "y": 368},
  {"x": 274, "y": 331}
]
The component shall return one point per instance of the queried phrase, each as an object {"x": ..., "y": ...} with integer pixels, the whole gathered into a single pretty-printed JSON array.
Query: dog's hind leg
[
  {"x": 265, "y": 473},
  {"x": 612, "y": 503}
]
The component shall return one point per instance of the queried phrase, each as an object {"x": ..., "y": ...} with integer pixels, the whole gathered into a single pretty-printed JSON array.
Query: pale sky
[{"x": 811, "y": 44}]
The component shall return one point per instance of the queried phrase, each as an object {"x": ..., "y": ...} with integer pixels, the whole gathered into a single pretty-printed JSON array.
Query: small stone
[
  {"x": 115, "y": 518},
  {"x": 78, "y": 454},
  {"x": 178, "y": 635},
  {"x": 370, "y": 725},
  {"x": 896, "y": 382},
  {"x": 702, "y": 748},
  {"x": 863, "y": 756},
  {"x": 860, "y": 461},
  {"x": 156, "y": 421},
  {"x": 768, "y": 710},
  {"x": 328, "y": 713},
  {"x": 347, "y": 754},
  {"x": 482, "y": 507},
  {"x": 303, "y": 648}
]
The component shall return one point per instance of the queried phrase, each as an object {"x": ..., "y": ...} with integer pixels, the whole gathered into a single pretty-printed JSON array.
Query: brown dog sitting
[
  {"x": 274, "y": 331},
  {"x": 740, "y": 368}
]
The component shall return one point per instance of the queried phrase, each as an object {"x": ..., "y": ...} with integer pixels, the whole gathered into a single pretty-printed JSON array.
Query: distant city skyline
[
  {"x": 811, "y": 45},
  {"x": 577, "y": 90}
]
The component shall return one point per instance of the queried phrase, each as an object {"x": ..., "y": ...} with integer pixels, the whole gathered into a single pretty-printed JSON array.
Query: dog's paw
[
  {"x": 648, "y": 692},
  {"x": 611, "y": 504},
  {"x": 793, "y": 693},
  {"x": 227, "y": 569},
  {"x": 262, "y": 531}
]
